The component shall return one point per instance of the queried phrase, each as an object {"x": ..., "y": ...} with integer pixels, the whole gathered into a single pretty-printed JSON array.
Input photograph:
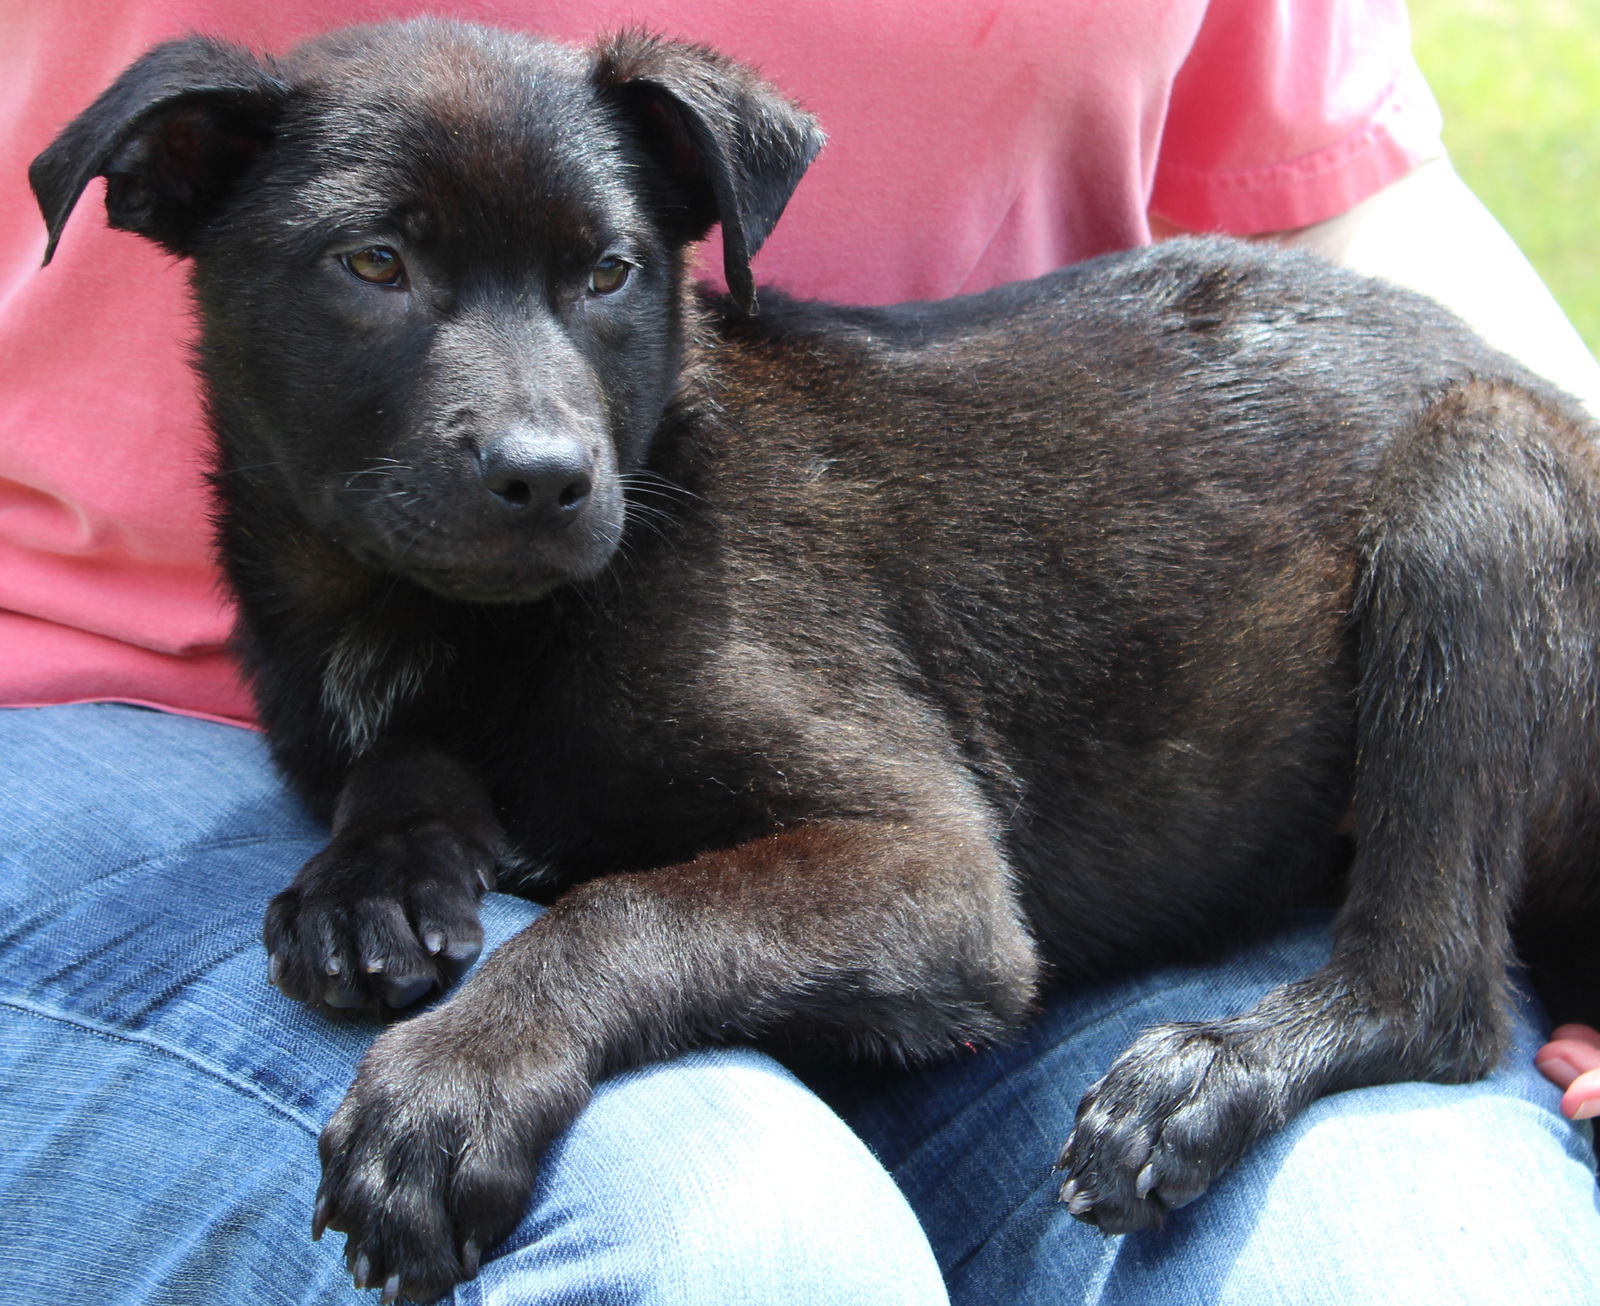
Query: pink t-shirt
[{"x": 971, "y": 142}]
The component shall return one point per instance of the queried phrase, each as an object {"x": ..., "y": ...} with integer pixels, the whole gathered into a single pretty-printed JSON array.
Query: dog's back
[{"x": 1094, "y": 538}]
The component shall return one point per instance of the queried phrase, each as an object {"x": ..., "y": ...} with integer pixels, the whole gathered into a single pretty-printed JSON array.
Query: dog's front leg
[
  {"x": 389, "y": 909},
  {"x": 872, "y": 935}
]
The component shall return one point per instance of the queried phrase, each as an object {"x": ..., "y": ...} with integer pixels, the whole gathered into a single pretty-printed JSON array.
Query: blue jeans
[{"x": 159, "y": 1106}]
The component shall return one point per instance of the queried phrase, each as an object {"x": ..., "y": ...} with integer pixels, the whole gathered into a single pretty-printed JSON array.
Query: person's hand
[{"x": 1571, "y": 1060}]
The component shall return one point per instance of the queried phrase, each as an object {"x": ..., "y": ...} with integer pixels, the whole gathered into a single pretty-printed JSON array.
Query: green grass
[{"x": 1519, "y": 82}]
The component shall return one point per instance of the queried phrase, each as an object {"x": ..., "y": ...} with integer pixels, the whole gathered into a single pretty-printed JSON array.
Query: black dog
[{"x": 845, "y": 670}]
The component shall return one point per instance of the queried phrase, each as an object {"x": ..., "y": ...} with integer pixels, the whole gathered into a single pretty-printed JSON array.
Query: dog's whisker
[
  {"x": 381, "y": 473},
  {"x": 250, "y": 467},
  {"x": 649, "y": 512},
  {"x": 647, "y": 482}
]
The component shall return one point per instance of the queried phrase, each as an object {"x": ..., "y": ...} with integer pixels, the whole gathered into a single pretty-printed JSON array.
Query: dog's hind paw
[
  {"x": 1175, "y": 1111},
  {"x": 379, "y": 921}
]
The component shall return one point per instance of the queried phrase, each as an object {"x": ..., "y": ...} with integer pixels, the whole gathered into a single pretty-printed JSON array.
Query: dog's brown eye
[
  {"x": 609, "y": 276},
  {"x": 377, "y": 264}
]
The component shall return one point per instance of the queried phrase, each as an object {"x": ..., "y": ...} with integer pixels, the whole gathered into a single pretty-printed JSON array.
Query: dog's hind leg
[{"x": 1476, "y": 624}]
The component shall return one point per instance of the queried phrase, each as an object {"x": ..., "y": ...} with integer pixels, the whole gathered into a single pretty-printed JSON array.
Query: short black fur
[{"x": 840, "y": 675}]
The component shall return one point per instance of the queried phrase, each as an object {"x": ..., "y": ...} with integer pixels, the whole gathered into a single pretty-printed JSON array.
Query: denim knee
[
  {"x": 716, "y": 1177},
  {"x": 184, "y": 1095}
]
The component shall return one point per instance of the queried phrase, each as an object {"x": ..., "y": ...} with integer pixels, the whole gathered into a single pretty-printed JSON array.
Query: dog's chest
[
  {"x": 587, "y": 782},
  {"x": 602, "y": 751}
]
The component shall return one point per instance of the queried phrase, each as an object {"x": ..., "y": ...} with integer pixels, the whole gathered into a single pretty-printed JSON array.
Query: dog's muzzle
[{"x": 544, "y": 479}]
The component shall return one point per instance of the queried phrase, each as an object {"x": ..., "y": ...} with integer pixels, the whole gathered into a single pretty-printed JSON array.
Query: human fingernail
[{"x": 1557, "y": 1068}]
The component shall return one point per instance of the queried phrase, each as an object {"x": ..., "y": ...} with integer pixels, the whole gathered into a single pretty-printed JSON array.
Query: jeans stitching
[
  {"x": 208, "y": 1068},
  {"x": 187, "y": 852}
]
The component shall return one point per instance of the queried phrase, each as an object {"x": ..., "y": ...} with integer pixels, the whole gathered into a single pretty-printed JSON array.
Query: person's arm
[{"x": 1429, "y": 231}]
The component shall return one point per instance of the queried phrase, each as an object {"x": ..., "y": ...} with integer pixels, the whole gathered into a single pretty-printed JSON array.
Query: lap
[
  {"x": 167, "y": 1104},
  {"x": 166, "y": 1100},
  {"x": 1406, "y": 1193}
]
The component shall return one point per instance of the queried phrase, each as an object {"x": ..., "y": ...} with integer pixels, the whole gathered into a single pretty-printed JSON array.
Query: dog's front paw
[
  {"x": 379, "y": 920},
  {"x": 1176, "y": 1110},
  {"x": 431, "y": 1157}
]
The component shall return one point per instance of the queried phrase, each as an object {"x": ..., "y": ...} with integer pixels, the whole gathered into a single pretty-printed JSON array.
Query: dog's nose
[{"x": 547, "y": 477}]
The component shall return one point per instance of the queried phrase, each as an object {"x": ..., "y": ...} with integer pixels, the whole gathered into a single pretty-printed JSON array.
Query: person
[
  {"x": 162, "y": 1102},
  {"x": 1571, "y": 1061}
]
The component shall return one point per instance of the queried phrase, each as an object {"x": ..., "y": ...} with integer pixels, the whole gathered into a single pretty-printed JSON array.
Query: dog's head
[{"x": 439, "y": 270}]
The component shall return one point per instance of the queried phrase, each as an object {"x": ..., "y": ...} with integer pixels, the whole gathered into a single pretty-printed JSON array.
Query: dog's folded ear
[
  {"x": 169, "y": 136},
  {"x": 733, "y": 145}
]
